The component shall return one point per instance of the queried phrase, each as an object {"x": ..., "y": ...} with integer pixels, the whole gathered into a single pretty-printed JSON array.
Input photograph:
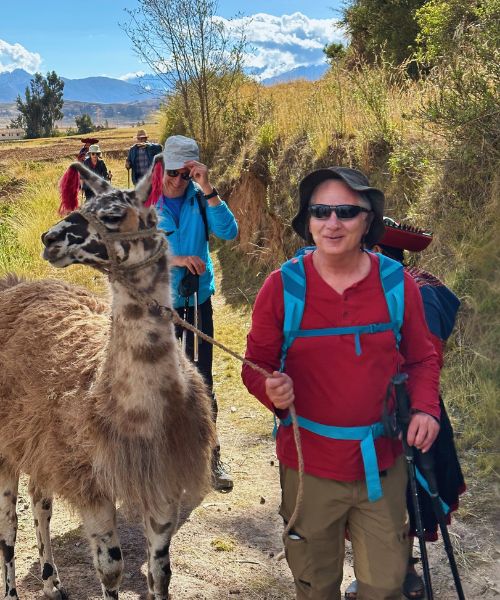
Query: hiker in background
[
  {"x": 87, "y": 142},
  {"x": 141, "y": 155},
  {"x": 336, "y": 375},
  {"x": 95, "y": 163},
  {"x": 190, "y": 209},
  {"x": 441, "y": 307}
]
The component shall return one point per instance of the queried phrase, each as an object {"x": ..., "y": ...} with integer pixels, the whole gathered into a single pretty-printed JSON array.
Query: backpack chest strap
[
  {"x": 356, "y": 330},
  {"x": 365, "y": 434}
]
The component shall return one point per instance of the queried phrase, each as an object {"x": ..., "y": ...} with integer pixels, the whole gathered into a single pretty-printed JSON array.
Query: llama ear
[
  {"x": 97, "y": 184},
  {"x": 149, "y": 188}
]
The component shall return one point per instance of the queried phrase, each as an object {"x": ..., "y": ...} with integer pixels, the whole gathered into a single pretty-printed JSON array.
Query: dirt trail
[{"x": 228, "y": 548}]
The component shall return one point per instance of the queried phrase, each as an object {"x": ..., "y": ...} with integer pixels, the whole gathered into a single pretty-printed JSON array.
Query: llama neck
[{"x": 142, "y": 363}]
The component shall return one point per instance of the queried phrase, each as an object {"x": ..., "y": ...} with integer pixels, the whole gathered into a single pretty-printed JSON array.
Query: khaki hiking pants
[{"x": 315, "y": 547}]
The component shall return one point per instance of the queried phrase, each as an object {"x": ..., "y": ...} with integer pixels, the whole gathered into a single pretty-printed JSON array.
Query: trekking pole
[
  {"x": 184, "y": 331},
  {"x": 403, "y": 420},
  {"x": 189, "y": 286},
  {"x": 426, "y": 464},
  {"x": 195, "y": 323}
]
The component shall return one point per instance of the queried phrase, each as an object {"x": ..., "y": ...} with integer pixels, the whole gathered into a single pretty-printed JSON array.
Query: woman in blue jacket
[{"x": 190, "y": 209}]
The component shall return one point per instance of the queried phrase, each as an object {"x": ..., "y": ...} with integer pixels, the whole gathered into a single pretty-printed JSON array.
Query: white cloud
[
  {"x": 279, "y": 44},
  {"x": 128, "y": 76},
  {"x": 269, "y": 63},
  {"x": 15, "y": 56}
]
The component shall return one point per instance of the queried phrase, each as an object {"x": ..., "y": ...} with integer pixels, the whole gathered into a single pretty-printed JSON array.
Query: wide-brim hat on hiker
[
  {"x": 405, "y": 237},
  {"x": 89, "y": 140},
  {"x": 178, "y": 150},
  {"x": 94, "y": 148},
  {"x": 357, "y": 182},
  {"x": 141, "y": 135}
]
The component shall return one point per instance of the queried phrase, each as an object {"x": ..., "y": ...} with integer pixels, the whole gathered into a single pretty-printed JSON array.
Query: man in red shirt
[{"x": 340, "y": 380}]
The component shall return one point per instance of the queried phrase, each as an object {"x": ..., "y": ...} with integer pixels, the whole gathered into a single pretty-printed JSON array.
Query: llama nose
[{"x": 47, "y": 238}]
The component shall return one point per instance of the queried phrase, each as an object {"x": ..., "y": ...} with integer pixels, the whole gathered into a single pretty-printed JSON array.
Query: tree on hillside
[
  {"x": 16, "y": 123},
  {"x": 192, "y": 52},
  {"x": 334, "y": 52},
  {"x": 382, "y": 25},
  {"x": 84, "y": 123},
  {"x": 42, "y": 104}
]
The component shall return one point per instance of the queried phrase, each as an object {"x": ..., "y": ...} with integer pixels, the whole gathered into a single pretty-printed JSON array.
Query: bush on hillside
[
  {"x": 376, "y": 26},
  {"x": 441, "y": 23}
]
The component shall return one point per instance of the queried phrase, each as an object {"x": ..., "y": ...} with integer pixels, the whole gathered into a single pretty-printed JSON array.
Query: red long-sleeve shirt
[{"x": 333, "y": 385}]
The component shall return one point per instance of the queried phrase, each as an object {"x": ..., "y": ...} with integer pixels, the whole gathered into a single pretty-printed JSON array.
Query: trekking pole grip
[{"x": 403, "y": 407}]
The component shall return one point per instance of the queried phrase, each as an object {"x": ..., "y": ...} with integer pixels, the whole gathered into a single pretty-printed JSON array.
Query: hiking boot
[{"x": 221, "y": 480}]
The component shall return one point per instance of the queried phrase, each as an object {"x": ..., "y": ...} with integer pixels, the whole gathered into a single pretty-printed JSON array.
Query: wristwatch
[{"x": 212, "y": 194}]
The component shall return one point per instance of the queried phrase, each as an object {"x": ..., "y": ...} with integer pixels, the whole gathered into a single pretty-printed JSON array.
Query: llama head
[{"x": 78, "y": 239}]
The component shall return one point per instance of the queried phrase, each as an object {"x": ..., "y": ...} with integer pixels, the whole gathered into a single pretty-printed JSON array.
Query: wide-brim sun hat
[
  {"x": 141, "y": 135},
  {"x": 178, "y": 150},
  {"x": 405, "y": 237},
  {"x": 94, "y": 148},
  {"x": 357, "y": 182}
]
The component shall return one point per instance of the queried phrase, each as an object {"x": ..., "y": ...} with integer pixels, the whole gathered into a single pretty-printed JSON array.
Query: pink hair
[
  {"x": 156, "y": 184},
  {"x": 68, "y": 188}
]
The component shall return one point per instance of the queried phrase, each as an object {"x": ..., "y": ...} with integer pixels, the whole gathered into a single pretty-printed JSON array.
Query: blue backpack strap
[
  {"x": 294, "y": 294},
  {"x": 392, "y": 279},
  {"x": 305, "y": 250}
]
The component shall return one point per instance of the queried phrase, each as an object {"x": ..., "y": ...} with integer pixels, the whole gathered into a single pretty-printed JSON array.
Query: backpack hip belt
[{"x": 366, "y": 434}]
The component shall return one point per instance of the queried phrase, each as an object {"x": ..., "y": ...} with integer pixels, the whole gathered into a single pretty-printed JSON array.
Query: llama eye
[{"x": 111, "y": 219}]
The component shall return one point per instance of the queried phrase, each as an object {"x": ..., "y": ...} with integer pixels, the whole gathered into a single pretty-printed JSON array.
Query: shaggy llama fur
[{"x": 97, "y": 402}]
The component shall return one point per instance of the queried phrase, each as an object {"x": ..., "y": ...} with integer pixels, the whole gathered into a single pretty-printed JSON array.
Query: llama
[{"x": 98, "y": 404}]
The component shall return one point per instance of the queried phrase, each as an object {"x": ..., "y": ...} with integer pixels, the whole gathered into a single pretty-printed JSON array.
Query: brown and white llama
[{"x": 98, "y": 404}]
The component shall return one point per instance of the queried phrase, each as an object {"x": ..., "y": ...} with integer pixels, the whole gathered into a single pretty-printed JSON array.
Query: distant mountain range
[
  {"x": 106, "y": 90},
  {"x": 113, "y": 100},
  {"x": 311, "y": 73},
  {"x": 114, "y": 114}
]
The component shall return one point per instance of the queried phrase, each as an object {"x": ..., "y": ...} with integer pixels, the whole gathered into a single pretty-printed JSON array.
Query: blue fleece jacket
[{"x": 188, "y": 238}]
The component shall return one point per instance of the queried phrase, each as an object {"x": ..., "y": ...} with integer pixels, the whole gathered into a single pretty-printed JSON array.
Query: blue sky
[{"x": 83, "y": 39}]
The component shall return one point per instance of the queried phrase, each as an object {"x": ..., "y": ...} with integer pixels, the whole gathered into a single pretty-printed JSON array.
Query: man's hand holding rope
[{"x": 279, "y": 389}]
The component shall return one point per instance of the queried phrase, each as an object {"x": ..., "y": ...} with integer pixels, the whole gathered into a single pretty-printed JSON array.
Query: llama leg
[
  {"x": 100, "y": 525},
  {"x": 8, "y": 528},
  {"x": 41, "y": 505},
  {"x": 159, "y": 531}
]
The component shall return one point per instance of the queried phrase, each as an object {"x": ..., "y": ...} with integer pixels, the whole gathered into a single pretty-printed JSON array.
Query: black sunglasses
[
  {"x": 173, "y": 173},
  {"x": 343, "y": 211}
]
